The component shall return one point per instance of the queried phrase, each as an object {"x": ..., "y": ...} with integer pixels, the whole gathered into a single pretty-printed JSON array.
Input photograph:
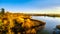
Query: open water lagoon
[{"x": 51, "y": 23}]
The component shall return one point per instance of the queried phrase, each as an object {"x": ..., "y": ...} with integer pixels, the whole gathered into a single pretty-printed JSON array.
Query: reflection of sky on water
[{"x": 50, "y": 22}]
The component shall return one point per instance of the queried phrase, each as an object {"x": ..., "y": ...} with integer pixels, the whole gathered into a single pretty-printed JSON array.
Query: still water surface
[{"x": 51, "y": 22}]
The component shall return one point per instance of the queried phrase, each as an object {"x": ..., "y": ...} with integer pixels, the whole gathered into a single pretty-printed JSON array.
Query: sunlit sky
[{"x": 31, "y": 6}]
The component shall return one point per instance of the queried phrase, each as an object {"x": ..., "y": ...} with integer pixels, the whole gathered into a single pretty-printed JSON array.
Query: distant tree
[{"x": 2, "y": 10}]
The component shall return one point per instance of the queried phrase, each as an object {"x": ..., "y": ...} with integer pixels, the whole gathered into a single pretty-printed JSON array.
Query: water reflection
[{"x": 51, "y": 22}]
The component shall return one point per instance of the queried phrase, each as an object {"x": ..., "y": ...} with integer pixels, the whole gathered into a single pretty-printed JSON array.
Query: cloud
[
  {"x": 32, "y": 6},
  {"x": 54, "y": 10}
]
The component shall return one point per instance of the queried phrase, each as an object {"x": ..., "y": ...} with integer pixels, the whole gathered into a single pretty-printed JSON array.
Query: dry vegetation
[
  {"x": 18, "y": 23},
  {"x": 15, "y": 23}
]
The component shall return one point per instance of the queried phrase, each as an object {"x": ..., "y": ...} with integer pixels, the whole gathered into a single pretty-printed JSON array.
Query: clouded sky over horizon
[{"x": 30, "y": 5}]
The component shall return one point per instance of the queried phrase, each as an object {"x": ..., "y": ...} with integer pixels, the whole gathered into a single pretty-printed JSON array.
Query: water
[{"x": 51, "y": 22}]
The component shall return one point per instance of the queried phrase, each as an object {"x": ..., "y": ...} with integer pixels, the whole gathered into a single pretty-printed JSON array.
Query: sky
[{"x": 31, "y": 6}]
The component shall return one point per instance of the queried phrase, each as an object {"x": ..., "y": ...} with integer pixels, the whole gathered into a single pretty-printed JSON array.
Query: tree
[{"x": 2, "y": 10}]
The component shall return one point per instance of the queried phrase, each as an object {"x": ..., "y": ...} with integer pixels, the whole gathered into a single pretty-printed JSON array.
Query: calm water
[{"x": 51, "y": 22}]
